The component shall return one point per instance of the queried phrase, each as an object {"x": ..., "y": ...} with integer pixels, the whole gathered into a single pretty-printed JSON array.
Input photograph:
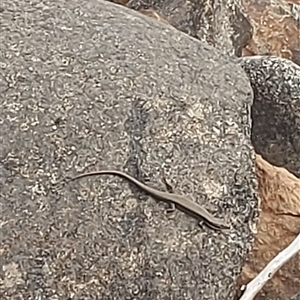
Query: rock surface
[
  {"x": 276, "y": 109},
  {"x": 88, "y": 85},
  {"x": 276, "y": 28},
  {"x": 275, "y": 81},
  {"x": 219, "y": 23}
]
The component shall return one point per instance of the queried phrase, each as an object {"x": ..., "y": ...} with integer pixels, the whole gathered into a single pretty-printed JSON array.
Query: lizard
[{"x": 181, "y": 202}]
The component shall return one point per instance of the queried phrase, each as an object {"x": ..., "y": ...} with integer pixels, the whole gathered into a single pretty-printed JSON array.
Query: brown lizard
[{"x": 181, "y": 202}]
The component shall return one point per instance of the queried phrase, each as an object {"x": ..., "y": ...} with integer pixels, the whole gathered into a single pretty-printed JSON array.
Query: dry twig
[{"x": 255, "y": 285}]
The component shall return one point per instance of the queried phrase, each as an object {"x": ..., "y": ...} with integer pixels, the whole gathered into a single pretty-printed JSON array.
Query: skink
[{"x": 181, "y": 202}]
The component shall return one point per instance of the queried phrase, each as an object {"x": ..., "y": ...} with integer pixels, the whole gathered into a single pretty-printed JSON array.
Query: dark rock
[
  {"x": 219, "y": 23},
  {"x": 242, "y": 29},
  {"x": 276, "y": 109},
  {"x": 91, "y": 85}
]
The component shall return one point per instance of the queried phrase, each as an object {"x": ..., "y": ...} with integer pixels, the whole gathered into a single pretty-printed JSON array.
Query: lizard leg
[
  {"x": 211, "y": 226},
  {"x": 171, "y": 208},
  {"x": 168, "y": 185},
  {"x": 170, "y": 189}
]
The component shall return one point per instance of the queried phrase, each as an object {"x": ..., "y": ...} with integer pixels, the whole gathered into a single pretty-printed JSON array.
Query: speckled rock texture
[
  {"x": 276, "y": 109},
  {"x": 87, "y": 85},
  {"x": 220, "y": 23}
]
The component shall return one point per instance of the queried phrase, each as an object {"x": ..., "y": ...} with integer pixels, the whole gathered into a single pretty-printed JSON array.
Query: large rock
[
  {"x": 91, "y": 85},
  {"x": 276, "y": 109},
  {"x": 275, "y": 81}
]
